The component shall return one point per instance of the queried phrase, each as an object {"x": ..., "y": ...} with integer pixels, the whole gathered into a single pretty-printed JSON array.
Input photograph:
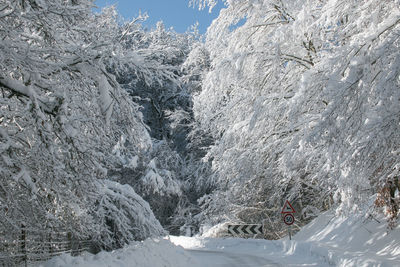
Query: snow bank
[
  {"x": 149, "y": 253},
  {"x": 352, "y": 241}
]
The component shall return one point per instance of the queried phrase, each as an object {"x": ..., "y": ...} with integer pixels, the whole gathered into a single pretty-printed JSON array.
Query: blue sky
[{"x": 174, "y": 13}]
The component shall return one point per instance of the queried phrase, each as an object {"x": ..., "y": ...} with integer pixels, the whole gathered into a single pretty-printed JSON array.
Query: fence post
[
  {"x": 69, "y": 237},
  {"x": 50, "y": 246},
  {"x": 23, "y": 244},
  {"x": 72, "y": 244}
]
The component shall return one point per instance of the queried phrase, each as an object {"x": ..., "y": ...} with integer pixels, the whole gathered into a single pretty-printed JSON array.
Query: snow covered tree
[
  {"x": 65, "y": 121},
  {"x": 295, "y": 101},
  {"x": 256, "y": 61},
  {"x": 166, "y": 103},
  {"x": 350, "y": 99}
]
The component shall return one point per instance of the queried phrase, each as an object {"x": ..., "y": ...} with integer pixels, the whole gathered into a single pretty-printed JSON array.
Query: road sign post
[{"x": 288, "y": 218}]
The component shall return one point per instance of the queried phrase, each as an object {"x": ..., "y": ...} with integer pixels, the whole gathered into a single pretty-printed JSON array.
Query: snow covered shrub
[
  {"x": 160, "y": 184},
  {"x": 156, "y": 178},
  {"x": 122, "y": 216}
]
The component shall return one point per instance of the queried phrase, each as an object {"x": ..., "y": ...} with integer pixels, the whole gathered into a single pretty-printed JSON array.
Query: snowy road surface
[
  {"x": 237, "y": 252},
  {"x": 226, "y": 259}
]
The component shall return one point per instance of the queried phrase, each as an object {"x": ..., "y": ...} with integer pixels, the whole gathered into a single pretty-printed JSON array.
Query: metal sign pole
[{"x": 288, "y": 218}]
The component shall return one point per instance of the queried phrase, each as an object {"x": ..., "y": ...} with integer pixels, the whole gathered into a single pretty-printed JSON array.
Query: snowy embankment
[
  {"x": 149, "y": 253},
  {"x": 327, "y": 241},
  {"x": 353, "y": 241}
]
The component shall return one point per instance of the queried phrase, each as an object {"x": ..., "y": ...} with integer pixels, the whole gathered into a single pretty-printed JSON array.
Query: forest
[{"x": 113, "y": 132}]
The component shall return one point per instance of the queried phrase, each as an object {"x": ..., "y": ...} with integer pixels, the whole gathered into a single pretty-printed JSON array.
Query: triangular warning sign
[{"x": 287, "y": 208}]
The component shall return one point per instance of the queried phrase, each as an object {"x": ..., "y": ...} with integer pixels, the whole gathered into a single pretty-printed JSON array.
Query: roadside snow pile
[
  {"x": 149, "y": 253},
  {"x": 352, "y": 241}
]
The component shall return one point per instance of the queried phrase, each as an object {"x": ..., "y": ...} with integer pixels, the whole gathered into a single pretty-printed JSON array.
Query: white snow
[
  {"x": 106, "y": 102},
  {"x": 327, "y": 241},
  {"x": 152, "y": 252},
  {"x": 24, "y": 174}
]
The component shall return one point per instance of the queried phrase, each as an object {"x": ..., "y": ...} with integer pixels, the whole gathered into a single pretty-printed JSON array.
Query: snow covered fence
[{"x": 20, "y": 248}]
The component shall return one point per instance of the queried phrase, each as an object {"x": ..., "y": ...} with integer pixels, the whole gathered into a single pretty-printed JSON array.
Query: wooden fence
[{"x": 28, "y": 246}]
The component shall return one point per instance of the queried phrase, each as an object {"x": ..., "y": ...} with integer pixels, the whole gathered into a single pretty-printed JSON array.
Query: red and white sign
[
  {"x": 288, "y": 219},
  {"x": 287, "y": 208}
]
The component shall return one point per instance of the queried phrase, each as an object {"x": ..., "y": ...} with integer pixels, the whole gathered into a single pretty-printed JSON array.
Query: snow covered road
[
  {"x": 232, "y": 252},
  {"x": 211, "y": 258}
]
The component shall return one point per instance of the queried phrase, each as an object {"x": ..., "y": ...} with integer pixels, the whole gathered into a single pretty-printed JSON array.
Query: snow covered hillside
[{"x": 327, "y": 241}]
